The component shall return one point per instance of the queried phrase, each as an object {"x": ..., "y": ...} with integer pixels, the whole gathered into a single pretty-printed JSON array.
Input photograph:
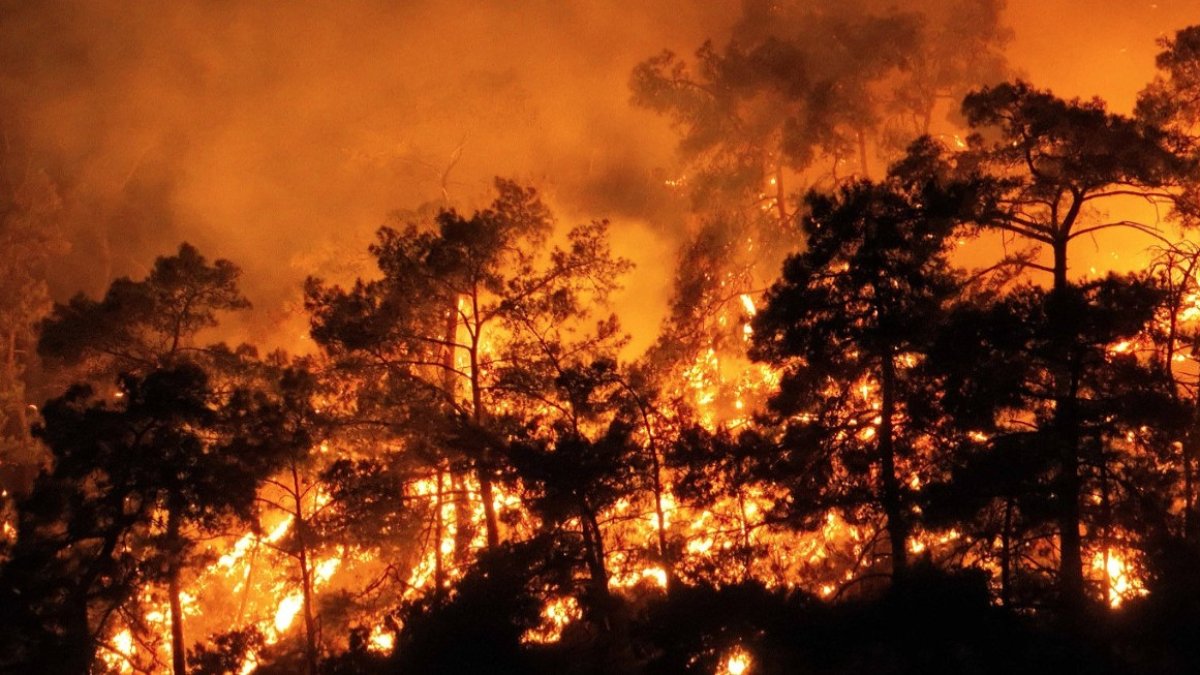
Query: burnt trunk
[
  {"x": 1006, "y": 555},
  {"x": 593, "y": 544},
  {"x": 1071, "y": 543},
  {"x": 310, "y": 628},
  {"x": 1189, "y": 499}
]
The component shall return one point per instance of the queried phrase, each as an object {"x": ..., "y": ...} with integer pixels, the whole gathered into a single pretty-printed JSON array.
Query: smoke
[
  {"x": 1087, "y": 48},
  {"x": 280, "y": 135}
]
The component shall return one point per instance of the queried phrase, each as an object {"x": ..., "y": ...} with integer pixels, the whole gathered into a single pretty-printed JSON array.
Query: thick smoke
[{"x": 280, "y": 135}]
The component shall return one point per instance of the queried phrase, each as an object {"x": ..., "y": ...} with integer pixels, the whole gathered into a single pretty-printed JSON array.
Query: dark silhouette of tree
[
  {"x": 287, "y": 422},
  {"x": 480, "y": 628},
  {"x": 1172, "y": 100},
  {"x": 997, "y": 362},
  {"x": 226, "y": 653},
  {"x": 802, "y": 82},
  {"x": 140, "y": 325},
  {"x": 1055, "y": 159},
  {"x": 132, "y": 485},
  {"x": 575, "y": 466},
  {"x": 803, "y": 94},
  {"x": 846, "y": 322},
  {"x": 712, "y": 467},
  {"x": 1175, "y": 338}
]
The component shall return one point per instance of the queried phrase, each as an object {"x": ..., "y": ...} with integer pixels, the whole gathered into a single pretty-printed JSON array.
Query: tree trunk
[
  {"x": 301, "y": 525},
  {"x": 488, "y": 495},
  {"x": 747, "y": 550},
  {"x": 1189, "y": 499},
  {"x": 656, "y": 483},
  {"x": 1066, "y": 438},
  {"x": 593, "y": 544},
  {"x": 310, "y": 628},
  {"x": 483, "y": 463},
  {"x": 439, "y": 533},
  {"x": 1071, "y": 543},
  {"x": 897, "y": 525},
  {"x": 1105, "y": 530},
  {"x": 174, "y": 550},
  {"x": 1060, "y": 264},
  {"x": 1006, "y": 556}
]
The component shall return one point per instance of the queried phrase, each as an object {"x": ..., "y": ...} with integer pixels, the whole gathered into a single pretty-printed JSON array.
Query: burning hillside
[{"x": 923, "y": 395}]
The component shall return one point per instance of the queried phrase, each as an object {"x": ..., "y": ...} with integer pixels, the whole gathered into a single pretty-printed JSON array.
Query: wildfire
[{"x": 727, "y": 541}]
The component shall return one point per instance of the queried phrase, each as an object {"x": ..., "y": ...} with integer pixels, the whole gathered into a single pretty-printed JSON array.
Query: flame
[
  {"x": 737, "y": 662},
  {"x": 1122, "y": 582},
  {"x": 381, "y": 640},
  {"x": 557, "y": 614},
  {"x": 288, "y": 609}
]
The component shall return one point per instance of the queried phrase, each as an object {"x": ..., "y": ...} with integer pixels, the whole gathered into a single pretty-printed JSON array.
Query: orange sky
[
  {"x": 281, "y": 136},
  {"x": 1094, "y": 47}
]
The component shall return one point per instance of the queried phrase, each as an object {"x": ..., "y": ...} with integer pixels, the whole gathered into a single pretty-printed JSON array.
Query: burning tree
[
  {"x": 133, "y": 486},
  {"x": 848, "y": 322},
  {"x": 142, "y": 325},
  {"x": 471, "y": 323}
]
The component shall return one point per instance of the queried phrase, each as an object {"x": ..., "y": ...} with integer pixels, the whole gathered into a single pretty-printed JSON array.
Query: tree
[
  {"x": 847, "y": 320},
  {"x": 802, "y": 82},
  {"x": 1172, "y": 99},
  {"x": 576, "y": 465},
  {"x": 803, "y": 94},
  {"x": 141, "y": 325},
  {"x": 460, "y": 309},
  {"x": 132, "y": 484},
  {"x": 1054, "y": 159},
  {"x": 30, "y": 235},
  {"x": 1175, "y": 339},
  {"x": 996, "y": 365}
]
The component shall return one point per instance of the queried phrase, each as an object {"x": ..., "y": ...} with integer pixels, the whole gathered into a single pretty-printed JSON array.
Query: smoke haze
[{"x": 280, "y": 135}]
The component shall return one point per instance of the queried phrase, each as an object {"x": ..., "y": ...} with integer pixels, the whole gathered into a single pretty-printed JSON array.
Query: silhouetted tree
[
  {"x": 480, "y": 628},
  {"x": 997, "y": 363},
  {"x": 132, "y": 484},
  {"x": 576, "y": 466},
  {"x": 1172, "y": 100},
  {"x": 1055, "y": 159},
  {"x": 805, "y": 82},
  {"x": 141, "y": 325},
  {"x": 848, "y": 319}
]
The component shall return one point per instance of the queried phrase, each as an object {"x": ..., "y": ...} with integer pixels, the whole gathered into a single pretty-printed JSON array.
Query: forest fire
[{"x": 887, "y": 360}]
